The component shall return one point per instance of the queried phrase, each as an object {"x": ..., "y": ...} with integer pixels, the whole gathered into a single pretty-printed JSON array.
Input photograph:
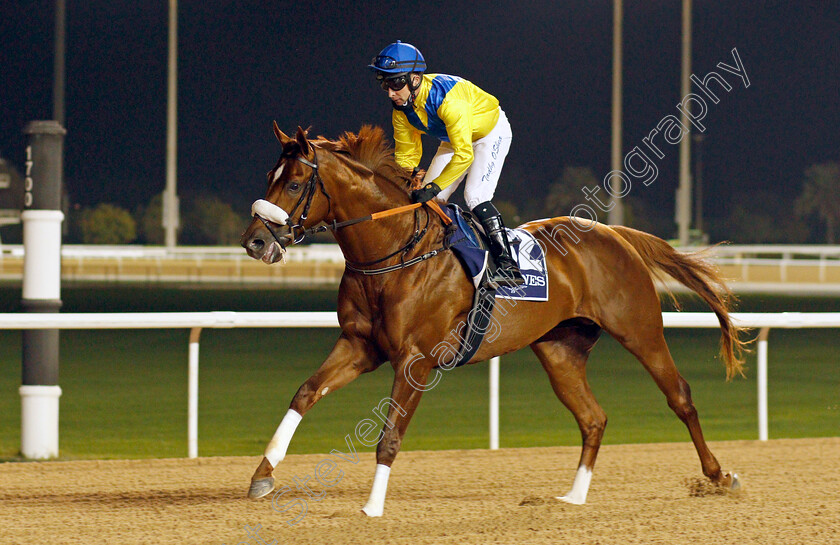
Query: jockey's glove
[{"x": 425, "y": 193}]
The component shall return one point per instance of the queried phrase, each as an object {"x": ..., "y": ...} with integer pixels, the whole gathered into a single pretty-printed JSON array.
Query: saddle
[
  {"x": 469, "y": 225},
  {"x": 466, "y": 237}
]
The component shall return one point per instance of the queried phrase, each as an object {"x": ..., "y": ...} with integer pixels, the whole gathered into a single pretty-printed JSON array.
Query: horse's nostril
[{"x": 256, "y": 244}]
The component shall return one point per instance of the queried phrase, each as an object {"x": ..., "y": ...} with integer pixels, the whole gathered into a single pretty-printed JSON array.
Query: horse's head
[{"x": 291, "y": 203}]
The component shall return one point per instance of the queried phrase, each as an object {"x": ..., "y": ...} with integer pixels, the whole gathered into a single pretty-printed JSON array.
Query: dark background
[{"x": 243, "y": 64}]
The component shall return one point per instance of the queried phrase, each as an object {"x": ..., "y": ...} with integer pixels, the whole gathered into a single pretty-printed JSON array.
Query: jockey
[{"x": 475, "y": 138}]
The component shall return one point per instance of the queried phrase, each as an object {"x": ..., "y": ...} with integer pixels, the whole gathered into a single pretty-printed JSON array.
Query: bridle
[
  {"x": 309, "y": 189},
  {"x": 305, "y": 198}
]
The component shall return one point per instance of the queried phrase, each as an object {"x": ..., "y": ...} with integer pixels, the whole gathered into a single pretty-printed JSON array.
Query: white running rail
[{"x": 196, "y": 321}]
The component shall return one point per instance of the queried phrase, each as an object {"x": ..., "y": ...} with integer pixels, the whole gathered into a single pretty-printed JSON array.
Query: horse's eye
[{"x": 294, "y": 186}]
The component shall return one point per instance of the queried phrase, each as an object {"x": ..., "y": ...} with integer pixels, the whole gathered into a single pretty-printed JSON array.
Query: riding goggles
[
  {"x": 395, "y": 83},
  {"x": 384, "y": 62}
]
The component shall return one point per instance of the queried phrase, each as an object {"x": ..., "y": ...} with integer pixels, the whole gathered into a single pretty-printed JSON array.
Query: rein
[{"x": 308, "y": 193}]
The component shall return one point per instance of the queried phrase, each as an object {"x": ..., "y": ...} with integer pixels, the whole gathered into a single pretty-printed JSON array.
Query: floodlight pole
[
  {"x": 170, "y": 196},
  {"x": 59, "y": 62},
  {"x": 698, "y": 183},
  {"x": 684, "y": 190},
  {"x": 616, "y": 213}
]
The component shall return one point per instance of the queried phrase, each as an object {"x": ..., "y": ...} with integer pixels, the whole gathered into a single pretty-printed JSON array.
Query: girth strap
[{"x": 478, "y": 320}]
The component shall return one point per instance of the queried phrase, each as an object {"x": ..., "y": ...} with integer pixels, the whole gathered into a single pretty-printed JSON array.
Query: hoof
[
  {"x": 261, "y": 488},
  {"x": 372, "y": 511},
  {"x": 731, "y": 481},
  {"x": 571, "y": 499}
]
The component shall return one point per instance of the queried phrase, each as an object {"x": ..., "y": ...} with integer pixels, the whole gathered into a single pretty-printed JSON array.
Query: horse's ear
[
  {"x": 302, "y": 141},
  {"x": 281, "y": 137}
]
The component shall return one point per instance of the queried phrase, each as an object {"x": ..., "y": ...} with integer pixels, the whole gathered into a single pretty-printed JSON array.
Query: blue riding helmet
[{"x": 398, "y": 58}]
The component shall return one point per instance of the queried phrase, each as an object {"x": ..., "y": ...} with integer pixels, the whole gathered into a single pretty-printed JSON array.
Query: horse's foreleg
[
  {"x": 349, "y": 358},
  {"x": 401, "y": 406},
  {"x": 563, "y": 353}
]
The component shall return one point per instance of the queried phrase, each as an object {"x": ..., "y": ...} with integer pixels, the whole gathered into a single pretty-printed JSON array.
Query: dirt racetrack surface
[{"x": 640, "y": 494}]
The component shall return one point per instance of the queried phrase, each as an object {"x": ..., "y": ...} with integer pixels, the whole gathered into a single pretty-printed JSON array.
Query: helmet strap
[
  {"x": 412, "y": 88},
  {"x": 409, "y": 104}
]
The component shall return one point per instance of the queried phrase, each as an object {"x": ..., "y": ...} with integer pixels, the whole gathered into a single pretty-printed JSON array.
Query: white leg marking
[
  {"x": 276, "y": 449},
  {"x": 736, "y": 481},
  {"x": 577, "y": 495},
  {"x": 376, "y": 503}
]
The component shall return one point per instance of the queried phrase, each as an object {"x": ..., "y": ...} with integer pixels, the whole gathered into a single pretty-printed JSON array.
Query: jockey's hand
[
  {"x": 427, "y": 192},
  {"x": 417, "y": 176}
]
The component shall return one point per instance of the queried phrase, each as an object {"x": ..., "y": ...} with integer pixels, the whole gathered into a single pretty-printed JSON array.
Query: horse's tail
[{"x": 700, "y": 276}]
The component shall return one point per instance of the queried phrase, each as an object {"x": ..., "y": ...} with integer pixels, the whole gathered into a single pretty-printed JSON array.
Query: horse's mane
[{"x": 371, "y": 149}]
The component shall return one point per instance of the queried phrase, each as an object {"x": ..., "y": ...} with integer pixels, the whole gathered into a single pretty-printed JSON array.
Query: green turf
[{"x": 124, "y": 392}]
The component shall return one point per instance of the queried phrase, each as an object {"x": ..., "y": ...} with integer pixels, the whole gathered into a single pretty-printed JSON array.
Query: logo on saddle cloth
[
  {"x": 530, "y": 258},
  {"x": 526, "y": 251}
]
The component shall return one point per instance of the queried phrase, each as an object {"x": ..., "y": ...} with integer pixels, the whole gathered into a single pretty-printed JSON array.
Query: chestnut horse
[{"x": 600, "y": 278}]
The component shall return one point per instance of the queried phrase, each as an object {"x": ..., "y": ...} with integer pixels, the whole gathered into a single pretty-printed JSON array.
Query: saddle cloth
[{"x": 466, "y": 240}]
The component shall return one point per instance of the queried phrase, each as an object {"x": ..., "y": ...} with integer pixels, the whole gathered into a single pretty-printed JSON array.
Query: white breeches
[{"x": 482, "y": 176}]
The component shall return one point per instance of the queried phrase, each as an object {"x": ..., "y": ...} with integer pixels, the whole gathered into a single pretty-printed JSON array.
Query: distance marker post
[{"x": 41, "y": 219}]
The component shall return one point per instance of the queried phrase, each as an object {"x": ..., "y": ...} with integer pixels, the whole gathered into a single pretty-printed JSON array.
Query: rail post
[
  {"x": 41, "y": 219},
  {"x": 762, "y": 383},
  {"x": 494, "y": 403},
  {"x": 192, "y": 394}
]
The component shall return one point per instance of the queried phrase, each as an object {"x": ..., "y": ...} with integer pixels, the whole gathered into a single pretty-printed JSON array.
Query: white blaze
[{"x": 278, "y": 173}]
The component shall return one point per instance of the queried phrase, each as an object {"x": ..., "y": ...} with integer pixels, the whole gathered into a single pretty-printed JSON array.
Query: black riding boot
[{"x": 506, "y": 273}]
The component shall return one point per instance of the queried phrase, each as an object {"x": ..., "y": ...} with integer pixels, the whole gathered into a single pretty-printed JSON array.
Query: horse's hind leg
[
  {"x": 563, "y": 352},
  {"x": 409, "y": 385},
  {"x": 647, "y": 343}
]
